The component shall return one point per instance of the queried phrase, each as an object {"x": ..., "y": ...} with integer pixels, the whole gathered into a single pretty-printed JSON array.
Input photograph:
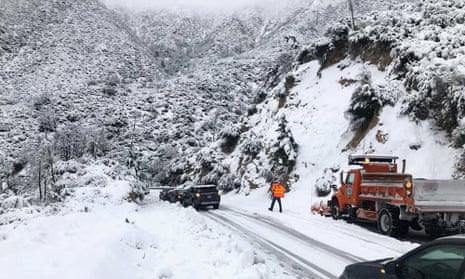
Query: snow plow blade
[{"x": 321, "y": 208}]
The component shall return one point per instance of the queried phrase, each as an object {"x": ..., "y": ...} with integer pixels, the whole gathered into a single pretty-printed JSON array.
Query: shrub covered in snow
[
  {"x": 324, "y": 183},
  {"x": 12, "y": 201},
  {"x": 428, "y": 48},
  {"x": 229, "y": 138},
  {"x": 284, "y": 150},
  {"x": 367, "y": 100},
  {"x": 251, "y": 147}
]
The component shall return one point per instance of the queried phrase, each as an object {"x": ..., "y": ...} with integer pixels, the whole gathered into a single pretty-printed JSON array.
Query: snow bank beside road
[{"x": 159, "y": 240}]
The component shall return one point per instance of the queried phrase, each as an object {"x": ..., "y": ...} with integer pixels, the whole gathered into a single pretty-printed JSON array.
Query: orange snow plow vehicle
[{"x": 376, "y": 191}]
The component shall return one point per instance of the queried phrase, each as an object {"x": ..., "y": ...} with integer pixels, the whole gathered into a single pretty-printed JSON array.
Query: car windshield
[
  {"x": 438, "y": 262},
  {"x": 206, "y": 189}
]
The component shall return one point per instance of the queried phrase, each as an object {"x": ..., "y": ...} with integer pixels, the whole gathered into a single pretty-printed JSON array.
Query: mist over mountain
[{"x": 202, "y": 6}]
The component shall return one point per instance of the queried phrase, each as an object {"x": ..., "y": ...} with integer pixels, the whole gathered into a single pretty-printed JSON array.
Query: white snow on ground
[
  {"x": 100, "y": 235},
  {"x": 162, "y": 240}
]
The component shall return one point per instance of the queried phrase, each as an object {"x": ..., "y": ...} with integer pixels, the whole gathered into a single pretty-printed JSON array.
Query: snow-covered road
[
  {"x": 304, "y": 256},
  {"x": 306, "y": 253}
]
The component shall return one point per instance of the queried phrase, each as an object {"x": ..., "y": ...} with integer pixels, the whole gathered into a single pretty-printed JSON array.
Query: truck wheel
[
  {"x": 351, "y": 212},
  {"x": 385, "y": 222},
  {"x": 335, "y": 210},
  {"x": 389, "y": 223}
]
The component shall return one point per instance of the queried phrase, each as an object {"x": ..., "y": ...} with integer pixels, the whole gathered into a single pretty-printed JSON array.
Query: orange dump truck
[{"x": 376, "y": 191}]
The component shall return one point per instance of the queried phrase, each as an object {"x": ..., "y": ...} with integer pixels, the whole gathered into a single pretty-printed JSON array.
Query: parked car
[
  {"x": 172, "y": 195},
  {"x": 163, "y": 195},
  {"x": 201, "y": 196},
  {"x": 443, "y": 258}
]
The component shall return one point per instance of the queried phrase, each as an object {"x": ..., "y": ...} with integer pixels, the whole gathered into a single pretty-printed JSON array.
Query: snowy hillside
[
  {"x": 232, "y": 98},
  {"x": 373, "y": 90},
  {"x": 316, "y": 116},
  {"x": 143, "y": 90}
]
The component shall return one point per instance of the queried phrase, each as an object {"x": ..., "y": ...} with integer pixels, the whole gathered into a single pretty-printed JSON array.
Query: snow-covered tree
[
  {"x": 284, "y": 151},
  {"x": 70, "y": 142}
]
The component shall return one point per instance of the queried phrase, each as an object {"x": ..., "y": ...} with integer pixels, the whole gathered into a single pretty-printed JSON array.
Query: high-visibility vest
[{"x": 278, "y": 190}]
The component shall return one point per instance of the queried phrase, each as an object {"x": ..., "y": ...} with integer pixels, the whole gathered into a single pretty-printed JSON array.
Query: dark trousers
[{"x": 279, "y": 202}]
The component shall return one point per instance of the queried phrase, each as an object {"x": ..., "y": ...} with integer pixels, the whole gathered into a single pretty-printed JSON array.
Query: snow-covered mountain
[
  {"x": 145, "y": 89},
  {"x": 166, "y": 96}
]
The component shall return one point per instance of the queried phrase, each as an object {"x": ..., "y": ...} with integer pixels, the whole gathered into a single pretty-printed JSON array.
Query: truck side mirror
[{"x": 341, "y": 178}]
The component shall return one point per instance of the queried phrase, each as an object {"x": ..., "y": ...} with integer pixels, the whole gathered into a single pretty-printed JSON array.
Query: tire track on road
[
  {"x": 299, "y": 235},
  {"x": 300, "y": 266},
  {"x": 369, "y": 226}
]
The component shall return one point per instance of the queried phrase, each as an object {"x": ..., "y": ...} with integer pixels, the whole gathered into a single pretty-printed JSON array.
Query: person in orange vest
[{"x": 277, "y": 190}]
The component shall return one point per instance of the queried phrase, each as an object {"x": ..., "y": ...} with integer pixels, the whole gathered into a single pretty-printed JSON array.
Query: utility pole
[
  {"x": 40, "y": 179},
  {"x": 351, "y": 8}
]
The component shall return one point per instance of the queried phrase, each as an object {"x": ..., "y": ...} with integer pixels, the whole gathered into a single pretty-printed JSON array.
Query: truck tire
[
  {"x": 389, "y": 224},
  {"x": 385, "y": 222},
  {"x": 335, "y": 210}
]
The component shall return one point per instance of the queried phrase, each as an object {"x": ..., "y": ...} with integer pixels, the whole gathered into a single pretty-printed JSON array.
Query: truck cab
[{"x": 347, "y": 196}]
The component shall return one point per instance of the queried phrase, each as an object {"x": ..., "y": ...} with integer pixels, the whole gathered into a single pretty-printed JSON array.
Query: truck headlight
[{"x": 197, "y": 195}]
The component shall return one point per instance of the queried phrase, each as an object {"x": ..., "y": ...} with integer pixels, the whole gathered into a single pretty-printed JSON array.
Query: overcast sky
[{"x": 193, "y": 4}]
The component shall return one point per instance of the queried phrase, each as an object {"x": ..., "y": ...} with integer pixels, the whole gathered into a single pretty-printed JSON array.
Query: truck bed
[
  {"x": 439, "y": 195},
  {"x": 381, "y": 186}
]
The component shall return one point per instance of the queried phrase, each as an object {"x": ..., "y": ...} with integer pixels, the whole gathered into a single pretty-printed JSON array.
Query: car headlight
[{"x": 197, "y": 195}]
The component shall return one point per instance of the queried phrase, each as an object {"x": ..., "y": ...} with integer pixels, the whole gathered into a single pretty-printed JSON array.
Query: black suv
[
  {"x": 201, "y": 196},
  {"x": 443, "y": 258}
]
